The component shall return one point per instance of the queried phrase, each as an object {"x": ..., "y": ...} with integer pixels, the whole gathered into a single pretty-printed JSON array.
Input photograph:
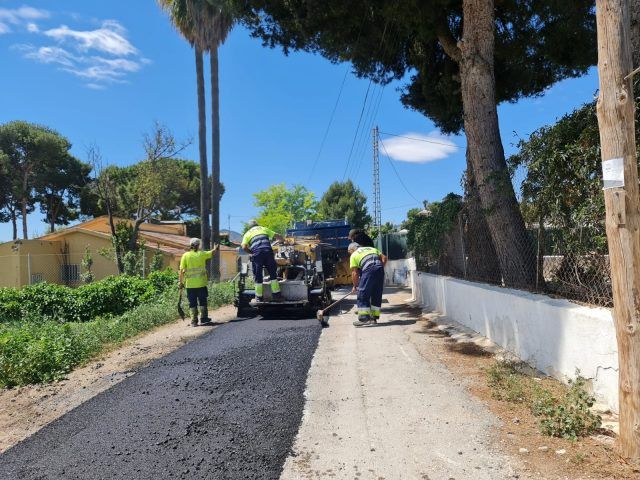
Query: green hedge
[
  {"x": 111, "y": 296},
  {"x": 46, "y": 350}
]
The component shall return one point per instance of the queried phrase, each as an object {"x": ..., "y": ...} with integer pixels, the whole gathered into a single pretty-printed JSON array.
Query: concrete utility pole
[
  {"x": 377, "y": 210},
  {"x": 620, "y": 174}
]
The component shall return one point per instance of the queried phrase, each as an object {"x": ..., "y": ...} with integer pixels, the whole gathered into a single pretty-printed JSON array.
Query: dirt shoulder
[
  {"x": 25, "y": 410},
  {"x": 468, "y": 357}
]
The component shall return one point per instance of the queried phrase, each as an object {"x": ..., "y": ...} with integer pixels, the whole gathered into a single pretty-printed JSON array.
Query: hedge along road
[{"x": 227, "y": 405}]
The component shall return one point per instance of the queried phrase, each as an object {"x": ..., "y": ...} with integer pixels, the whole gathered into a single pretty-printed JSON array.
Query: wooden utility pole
[{"x": 620, "y": 174}]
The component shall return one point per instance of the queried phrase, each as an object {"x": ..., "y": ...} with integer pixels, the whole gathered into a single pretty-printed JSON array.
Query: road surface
[
  {"x": 269, "y": 399},
  {"x": 226, "y": 405}
]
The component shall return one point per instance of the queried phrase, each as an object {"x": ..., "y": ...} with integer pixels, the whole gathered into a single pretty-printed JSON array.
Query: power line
[
  {"x": 421, "y": 139},
  {"x": 382, "y": 43},
  {"x": 397, "y": 174},
  {"x": 355, "y": 136},
  {"x": 326, "y": 132}
]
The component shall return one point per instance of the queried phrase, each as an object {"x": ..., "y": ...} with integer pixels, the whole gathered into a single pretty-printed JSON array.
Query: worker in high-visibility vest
[
  {"x": 257, "y": 242},
  {"x": 193, "y": 276},
  {"x": 367, "y": 272}
]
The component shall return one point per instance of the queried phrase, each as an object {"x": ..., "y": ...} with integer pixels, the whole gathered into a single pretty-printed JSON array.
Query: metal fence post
[
  {"x": 464, "y": 255},
  {"x": 144, "y": 262}
]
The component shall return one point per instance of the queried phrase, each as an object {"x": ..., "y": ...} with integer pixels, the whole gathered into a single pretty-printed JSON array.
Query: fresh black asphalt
[{"x": 225, "y": 406}]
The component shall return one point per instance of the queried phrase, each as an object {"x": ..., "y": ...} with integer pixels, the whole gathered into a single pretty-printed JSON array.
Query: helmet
[
  {"x": 252, "y": 223},
  {"x": 194, "y": 243}
]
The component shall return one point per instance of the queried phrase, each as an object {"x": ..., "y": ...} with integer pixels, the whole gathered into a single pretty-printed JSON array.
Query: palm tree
[
  {"x": 181, "y": 13},
  {"x": 213, "y": 21}
]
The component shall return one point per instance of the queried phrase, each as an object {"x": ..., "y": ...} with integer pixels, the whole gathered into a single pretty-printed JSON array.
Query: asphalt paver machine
[{"x": 312, "y": 262}]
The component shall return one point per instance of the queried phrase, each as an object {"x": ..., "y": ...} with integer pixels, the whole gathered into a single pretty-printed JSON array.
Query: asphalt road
[{"x": 225, "y": 406}]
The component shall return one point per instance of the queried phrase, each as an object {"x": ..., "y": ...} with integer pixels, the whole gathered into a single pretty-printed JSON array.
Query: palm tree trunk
[
  {"x": 513, "y": 246},
  {"x": 202, "y": 145},
  {"x": 215, "y": 161}
]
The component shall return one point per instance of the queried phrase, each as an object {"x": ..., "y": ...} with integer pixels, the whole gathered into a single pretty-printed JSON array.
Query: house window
[
  {"x": 36, "y": 278},
  {"x": 69, "y": 273}
]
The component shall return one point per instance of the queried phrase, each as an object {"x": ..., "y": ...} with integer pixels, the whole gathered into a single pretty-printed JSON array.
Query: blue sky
[{"x": 102, "y": 72}]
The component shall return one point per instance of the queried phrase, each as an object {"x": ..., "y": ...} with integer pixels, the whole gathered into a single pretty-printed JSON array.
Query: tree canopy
[
  {"x": 343, "y": 200},
  {"x": 535, "y": 44},
  {"x": 39, "y": 169},
  {"x": 281, "y": 206}
]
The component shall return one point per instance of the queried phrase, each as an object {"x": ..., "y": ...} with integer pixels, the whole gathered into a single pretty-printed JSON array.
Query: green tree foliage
[
  {"x": 511, "y": 49},
  {"x": 535, "y": 44},
  {"x": 565, "y": 157},
  {"x": 41, "y": 171},
  {"x": 428, "y": 228},
  {"x": 281, "y": 206},
  {"x": 345, "y": 200},
  {"x": 87, "y": 275}
]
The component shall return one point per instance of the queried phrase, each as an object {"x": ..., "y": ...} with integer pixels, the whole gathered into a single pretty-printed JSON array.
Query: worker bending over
[
  {"x": 367, "y": 272},
  {"x": 193, "y": 275},
  {"x": 257, "y": 242}
]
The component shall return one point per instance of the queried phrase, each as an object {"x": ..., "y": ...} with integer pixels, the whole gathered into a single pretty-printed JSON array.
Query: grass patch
[
  {"x": 565, "y": 413},
  {"x": 46, "y": 350}
]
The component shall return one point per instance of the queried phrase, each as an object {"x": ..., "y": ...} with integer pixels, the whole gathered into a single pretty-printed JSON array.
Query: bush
[
  {"x": 163, "y": 280},
  {"x": 221, "y": 294},
  {"x": 110, "y": 296},
  {"x": 570, "y": 416},
  {"x": 566, "y": 415},
  {"x": 9, "y": 304},
  {"x": 45, "y": 351}
]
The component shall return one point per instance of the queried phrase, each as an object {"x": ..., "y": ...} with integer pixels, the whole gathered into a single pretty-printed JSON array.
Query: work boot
[
  {"x": 363, "y": 322},
  {"x": 204, "y": 315},
  {"x": 194, "y": 317}
]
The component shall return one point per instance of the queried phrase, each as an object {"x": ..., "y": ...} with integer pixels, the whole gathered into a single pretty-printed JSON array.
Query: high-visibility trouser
[
  {"x": 370, "y": 289},
  {"x": 261, "y": 260}
]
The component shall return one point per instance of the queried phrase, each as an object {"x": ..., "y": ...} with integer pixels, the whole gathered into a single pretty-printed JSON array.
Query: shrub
[
  {"x": 110, "y": 296},
  {"x": 9, "y": 304},
  {"x": 566, "y": 415},
  {"x": 49, "y": 301},
  {"x": 221, "y": 294},
  {"x": 45, "y": 351},
  {"x": 163, "y": 280},
  {"x": 569, "y": 416}
]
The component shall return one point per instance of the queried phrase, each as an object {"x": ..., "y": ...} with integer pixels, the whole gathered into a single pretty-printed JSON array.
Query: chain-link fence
[
  {"x": 71, "y": 269},
  {"x": 568, "y": 261}
]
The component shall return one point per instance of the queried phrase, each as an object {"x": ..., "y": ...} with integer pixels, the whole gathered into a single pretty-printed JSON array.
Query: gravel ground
[{"x": 225, "y": 406}]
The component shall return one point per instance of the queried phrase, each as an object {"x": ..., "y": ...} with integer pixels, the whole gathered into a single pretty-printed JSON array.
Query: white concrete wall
[
  {"x": 554, "y": 335},
  {"x": 396, "y": 272}
]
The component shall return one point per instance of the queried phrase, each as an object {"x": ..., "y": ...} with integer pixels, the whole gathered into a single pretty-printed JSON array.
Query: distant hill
[{"x": 234, "y": 236}]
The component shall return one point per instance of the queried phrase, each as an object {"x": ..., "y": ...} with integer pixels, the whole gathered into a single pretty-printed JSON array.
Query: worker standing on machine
[
  {"x": 367, "y": 272},
  {"x": 257, "y": 242},
  {"x": 193, "y": 275}
]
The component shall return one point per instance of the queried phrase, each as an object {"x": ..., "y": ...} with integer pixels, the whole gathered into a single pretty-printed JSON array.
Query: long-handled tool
[
  {"x": 180, "y": 309},
  {"x": 320, "y": 313}
]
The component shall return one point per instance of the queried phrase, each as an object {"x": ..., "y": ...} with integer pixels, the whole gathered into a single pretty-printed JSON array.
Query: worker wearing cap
[
  {"x": 193, "y": 275},
  {"x": 367, "y": 273},
  {"x": 257, "y": 242}
]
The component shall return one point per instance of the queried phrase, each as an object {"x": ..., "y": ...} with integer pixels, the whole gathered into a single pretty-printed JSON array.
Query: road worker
[
  {"x": 367, "y": 272},
  {"x": 257, "y": 242},
  {"x": 193, "y": 275}
]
